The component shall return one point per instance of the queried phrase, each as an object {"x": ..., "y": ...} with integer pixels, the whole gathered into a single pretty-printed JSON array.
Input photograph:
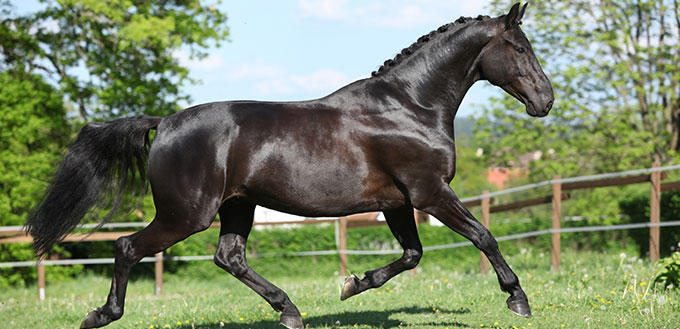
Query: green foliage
[
  {"x": 470, "y": 169},
  {"x": 669, "y": 273},
  {"x": 636, "y": 207},
  {"x": 106, "y": 59},
  {"x": 613, "y": 66},
  {"x": 113, "y": 58},
  {"x": 32, "y": 133}
]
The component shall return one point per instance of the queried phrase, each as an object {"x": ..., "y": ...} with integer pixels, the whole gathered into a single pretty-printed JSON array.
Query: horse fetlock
[{"x": 98, "y": 318}]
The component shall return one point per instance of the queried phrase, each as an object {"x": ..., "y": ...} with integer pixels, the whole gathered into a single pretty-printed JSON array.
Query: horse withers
[{"x": 385, "y": 143}]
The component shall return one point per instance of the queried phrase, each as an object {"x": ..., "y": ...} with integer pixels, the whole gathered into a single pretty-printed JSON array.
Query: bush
[
  {"x": 636, "y": 207},
  {"x": 669, "y": 272}
]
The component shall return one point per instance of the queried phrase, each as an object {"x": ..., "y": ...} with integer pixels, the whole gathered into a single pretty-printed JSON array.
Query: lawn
[{"x": 590, "y": 291}]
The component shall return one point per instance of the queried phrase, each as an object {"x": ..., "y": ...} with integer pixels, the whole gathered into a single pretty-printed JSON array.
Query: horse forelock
[{"x": 418, "y": 44}]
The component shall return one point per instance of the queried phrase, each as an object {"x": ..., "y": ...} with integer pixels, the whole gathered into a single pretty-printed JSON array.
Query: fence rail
[{"x": 654, "y": 175}]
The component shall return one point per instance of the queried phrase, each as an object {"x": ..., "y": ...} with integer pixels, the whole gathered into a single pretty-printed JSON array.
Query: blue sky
[{"x": 304, "y": 49}]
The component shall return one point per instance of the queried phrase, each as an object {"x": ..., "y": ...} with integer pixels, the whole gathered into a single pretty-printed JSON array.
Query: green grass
[{"x": 590, "y": 291}]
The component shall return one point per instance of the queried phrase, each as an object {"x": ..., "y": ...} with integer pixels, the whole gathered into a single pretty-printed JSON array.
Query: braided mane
[{"x": 421, "y": 41}]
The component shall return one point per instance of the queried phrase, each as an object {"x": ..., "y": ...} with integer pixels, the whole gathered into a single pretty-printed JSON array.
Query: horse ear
[
  {"x": 511, "y": 17},
  {"x": 521, "y": 12}
]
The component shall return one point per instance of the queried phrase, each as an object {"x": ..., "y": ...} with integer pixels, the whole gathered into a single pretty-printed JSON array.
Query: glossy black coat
[{"x": 385, "y": 143}]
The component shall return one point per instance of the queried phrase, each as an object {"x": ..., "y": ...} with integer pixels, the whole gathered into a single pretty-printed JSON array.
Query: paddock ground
[{"x": 591, "y": 290}]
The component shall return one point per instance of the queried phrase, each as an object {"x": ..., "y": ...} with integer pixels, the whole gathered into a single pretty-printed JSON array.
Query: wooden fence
[{"x": 485, "y": 201}]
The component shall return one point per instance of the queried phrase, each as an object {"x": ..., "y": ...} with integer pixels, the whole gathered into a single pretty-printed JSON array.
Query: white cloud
[
  {"x": 214, "y": 61},
  {"x": 320, "y": 81},
  {"x": 324, "y": 9},
  {"x": 392, "y": 13},
  {"x": 254, "y": 71}
]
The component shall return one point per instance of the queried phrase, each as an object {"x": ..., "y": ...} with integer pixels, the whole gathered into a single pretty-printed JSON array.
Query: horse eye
[{"x": 521, "y": 50}]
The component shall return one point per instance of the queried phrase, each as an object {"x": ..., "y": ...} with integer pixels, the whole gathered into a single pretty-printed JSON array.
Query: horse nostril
[{"x": 549, "y": 105}]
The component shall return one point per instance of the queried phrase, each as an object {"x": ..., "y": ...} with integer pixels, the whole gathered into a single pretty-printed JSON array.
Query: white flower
[
  {"x": 661, "y": 300},
  {"x": 622, "y": 255}
]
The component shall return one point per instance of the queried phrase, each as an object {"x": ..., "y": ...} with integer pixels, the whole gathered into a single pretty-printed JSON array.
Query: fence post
[
  {"x": 342, "y": 223},
  {"x": 159, "y": 273},
  {"x": 556, "y": 221},
  {"x": 654, "y": 213},
  {"x": 484, "y": 262},
  {"x": 41, "y": 278}
]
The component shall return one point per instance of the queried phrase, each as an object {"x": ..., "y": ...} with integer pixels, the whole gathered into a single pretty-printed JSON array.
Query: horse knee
[
  {"x": 234, "y": 263},
  {"x": 412, "y": 258}
]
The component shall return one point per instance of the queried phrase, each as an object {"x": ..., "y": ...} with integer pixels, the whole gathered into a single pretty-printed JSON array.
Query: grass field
[{"x": 590, "y": 291}]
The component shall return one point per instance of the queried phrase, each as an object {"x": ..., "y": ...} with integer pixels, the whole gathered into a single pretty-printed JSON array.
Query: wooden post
[
  {"x": 484, "y": 262},
  {"x": 556, "y": 221},
  {"x": 654, "y": 213},
  {"x": 159, "y": 273},
  {"x": 41, "y": 278},
  {"x": 342, "y": 222}
]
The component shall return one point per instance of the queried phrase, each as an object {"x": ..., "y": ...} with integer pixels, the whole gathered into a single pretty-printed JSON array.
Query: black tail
[{"x": 105, "y": 162}]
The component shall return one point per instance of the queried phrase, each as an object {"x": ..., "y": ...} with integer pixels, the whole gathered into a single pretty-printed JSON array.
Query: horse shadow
[{"x": 380, "y": 319}]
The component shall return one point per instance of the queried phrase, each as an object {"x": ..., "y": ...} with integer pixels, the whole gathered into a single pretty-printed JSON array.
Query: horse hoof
[
  {"x": 349, "y": 287},
  {"x": 519, "y": 306},
  {"x": 291, "y": 321},
  {"x": 94, "y": 319}
]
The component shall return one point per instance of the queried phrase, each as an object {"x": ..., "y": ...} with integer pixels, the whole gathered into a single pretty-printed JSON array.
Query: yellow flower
[
  {"x": 495, "y": 323},
  {"x": 303, "y": 313},
  {"x": 151, "y": 326},
  {"x": 642, "y": 284}
]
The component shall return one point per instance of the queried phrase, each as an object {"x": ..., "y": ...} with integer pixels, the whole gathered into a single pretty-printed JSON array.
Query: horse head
[{"x": 508, "y": 61}]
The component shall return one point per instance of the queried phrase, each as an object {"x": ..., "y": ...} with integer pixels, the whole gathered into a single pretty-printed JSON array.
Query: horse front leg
[
  {"x": 447, "y": 208},
  {"x": 403, "y": 226}
]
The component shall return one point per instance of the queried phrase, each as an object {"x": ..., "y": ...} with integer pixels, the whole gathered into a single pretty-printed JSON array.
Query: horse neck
[{"x": 438, "y": 75}]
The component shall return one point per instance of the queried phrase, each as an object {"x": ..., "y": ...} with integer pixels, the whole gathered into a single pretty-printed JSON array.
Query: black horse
[{"x": 385, "y": 143}]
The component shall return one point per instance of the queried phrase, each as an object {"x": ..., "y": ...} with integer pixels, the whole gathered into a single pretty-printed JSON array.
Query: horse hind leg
[
  {"x": 165, "y": 230},
  {"x": 237, "y": 221},
  {"x": 403, "y": 226}
]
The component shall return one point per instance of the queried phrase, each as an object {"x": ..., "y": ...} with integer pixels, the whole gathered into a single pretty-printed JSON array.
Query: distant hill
[{"x": 464, "y": 125}]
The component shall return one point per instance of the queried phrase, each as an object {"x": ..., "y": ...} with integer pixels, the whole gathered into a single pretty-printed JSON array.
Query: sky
[{"x": 305, "y": 49}]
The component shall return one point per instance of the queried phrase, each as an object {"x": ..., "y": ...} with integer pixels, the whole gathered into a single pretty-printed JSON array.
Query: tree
[
  {"x": 32, "y": 134},
  {"x": 615, "y": 68},
  {"x": 112, "y": 58}
]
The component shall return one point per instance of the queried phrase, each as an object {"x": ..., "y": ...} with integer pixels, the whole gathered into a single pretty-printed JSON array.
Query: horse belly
[{"x": 332, "y": 187}]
